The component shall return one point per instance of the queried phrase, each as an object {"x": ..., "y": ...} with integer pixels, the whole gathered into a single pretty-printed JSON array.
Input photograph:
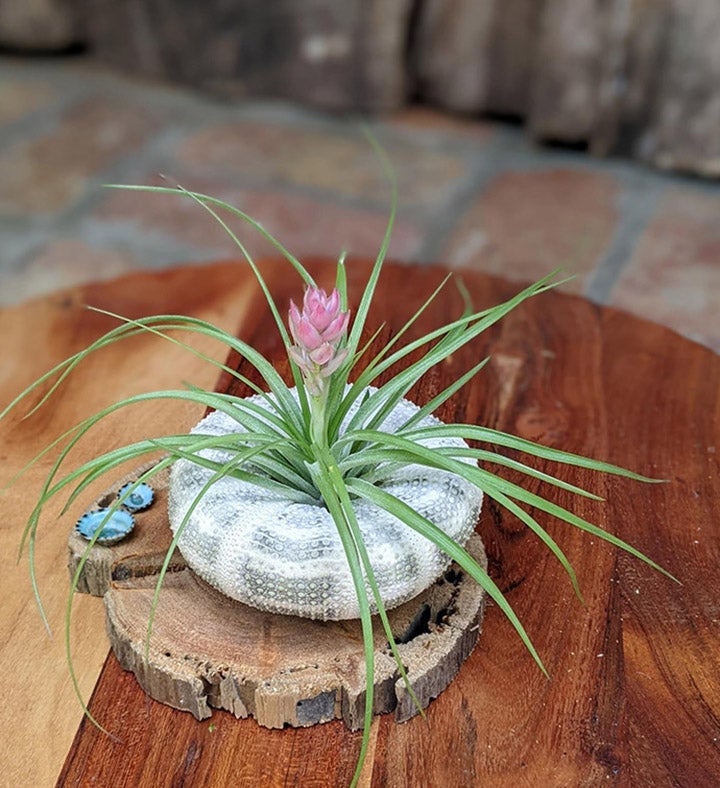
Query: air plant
[{"x": 320, "y": 440}]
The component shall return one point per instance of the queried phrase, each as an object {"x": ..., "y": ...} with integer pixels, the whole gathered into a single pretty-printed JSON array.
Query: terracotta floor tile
[
  {"x": 304, "y": 225},
  {"x": 526, "y": 224},
  {"x": 472, "y": 193},
  {"x": 674, "y": 275},
  {"x": 18, "y": 99},
  {"x": 49, "y": 172},
  {"x": 340, "y": 163}
]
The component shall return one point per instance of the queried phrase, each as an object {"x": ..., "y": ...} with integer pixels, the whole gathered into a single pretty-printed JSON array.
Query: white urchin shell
[{"x": 280, "y": 556}]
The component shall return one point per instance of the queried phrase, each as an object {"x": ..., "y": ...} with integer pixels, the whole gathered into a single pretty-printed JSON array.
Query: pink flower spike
[
  {"x": 334, "y": 363},
  {"x": 294, "y": 318},
  {"x": 337, "y": 328},
  {"x": 313, "y": 297},
  {"x": 307, "y": 335},
  {"x": 319, "y": 308},
  {"x": 318, "y": 331},
  {"x": 298, "y": 358},
  {"x": 319, "y": 318},
  {"x": 333, "y": 302},
  {"x": 314, "y": 300},
  {"x": 323, "y": 354}
]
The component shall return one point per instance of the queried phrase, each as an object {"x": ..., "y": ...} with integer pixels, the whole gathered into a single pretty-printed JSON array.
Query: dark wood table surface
[{"x": 634, "y": 694}]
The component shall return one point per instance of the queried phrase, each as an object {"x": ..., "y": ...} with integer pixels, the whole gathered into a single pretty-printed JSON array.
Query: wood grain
[
  {"x": 634, "y": 697},
  {"x": 38, "y": 718}
]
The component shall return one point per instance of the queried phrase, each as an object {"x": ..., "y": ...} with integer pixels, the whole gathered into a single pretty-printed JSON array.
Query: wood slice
[{"x": 209, "y": 651}]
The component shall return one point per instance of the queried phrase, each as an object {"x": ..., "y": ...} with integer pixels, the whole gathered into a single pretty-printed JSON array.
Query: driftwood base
[{"x": 208, "y": 651}]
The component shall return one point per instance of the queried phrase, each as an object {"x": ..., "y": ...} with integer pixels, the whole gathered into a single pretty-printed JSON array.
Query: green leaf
[
  {"x": 64, "y": 368},
  {"x": 352, "y": 395},
  {"x": 449, "y": 546},
  {"x": 341, "y": 282},
  {"x": 342, "y": 492},
  {"x": 297, "y": 376},
  {"x": 259, "y": 480},
  {"x": 208, "y": 200},
  {"x": 383, "y": 460},
  {"x": 487, "y": 481},
  {"x": 380, "y": 402},
  {"x": 283, "y": 400},
  {"x": 440, "y": 399},
  {"x": 324, "y": 484},
  {"x": 399, "y": 457},
  {"x": 76, "y": 434},
  {"x": 473, "y": 432},
  {"x": 369, "y": 290}
]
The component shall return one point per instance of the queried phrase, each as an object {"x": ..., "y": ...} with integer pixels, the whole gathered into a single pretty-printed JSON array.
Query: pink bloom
[
  {"x": 320, "y": 308},
  {"x": 318, "y": 332}
]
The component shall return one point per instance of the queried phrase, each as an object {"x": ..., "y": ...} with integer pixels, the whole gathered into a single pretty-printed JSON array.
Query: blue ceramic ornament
[
  {"x": 117, "y": 527},
  {"x": 139, "y": 499}
]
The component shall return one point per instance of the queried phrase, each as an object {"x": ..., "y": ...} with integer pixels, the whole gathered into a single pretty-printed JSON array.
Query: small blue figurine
[
  {"x": 117, "y": 526},
  {"x": 139, "y": 499}
]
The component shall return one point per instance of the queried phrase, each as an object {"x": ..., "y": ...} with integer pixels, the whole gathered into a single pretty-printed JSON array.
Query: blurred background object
[
  {"x": 257, "y": 103},
  {"x": 630, "y": 77},
  {"x": 38, "y": 26}
]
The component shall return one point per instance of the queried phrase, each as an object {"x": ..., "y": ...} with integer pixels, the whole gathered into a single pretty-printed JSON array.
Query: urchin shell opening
[{"x": 282, "y": 556}]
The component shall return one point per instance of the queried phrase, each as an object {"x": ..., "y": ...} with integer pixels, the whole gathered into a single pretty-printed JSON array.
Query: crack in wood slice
[{"x": 209, "y": 651}]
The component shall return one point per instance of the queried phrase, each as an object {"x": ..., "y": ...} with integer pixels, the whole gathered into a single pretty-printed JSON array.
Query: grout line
[
  {"x": 484, "y": 167},
  {"x": 636, "y": 207}
]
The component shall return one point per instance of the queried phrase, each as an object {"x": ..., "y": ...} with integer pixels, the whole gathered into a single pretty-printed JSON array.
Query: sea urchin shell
[{"x": 286, "y": 557}]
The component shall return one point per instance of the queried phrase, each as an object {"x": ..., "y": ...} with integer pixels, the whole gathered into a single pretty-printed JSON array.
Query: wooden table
[{"x": 635, "y": 692}]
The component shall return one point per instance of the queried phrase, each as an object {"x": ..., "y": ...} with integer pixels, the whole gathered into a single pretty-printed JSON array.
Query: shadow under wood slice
[{"x": 209, "y": 651}]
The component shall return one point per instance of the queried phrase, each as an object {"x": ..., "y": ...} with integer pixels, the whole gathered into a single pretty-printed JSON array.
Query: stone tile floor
[{"x": 472, "y": 193}]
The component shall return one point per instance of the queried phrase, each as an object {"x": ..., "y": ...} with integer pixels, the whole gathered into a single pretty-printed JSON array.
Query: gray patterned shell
[{"x": 286, "y": 557}]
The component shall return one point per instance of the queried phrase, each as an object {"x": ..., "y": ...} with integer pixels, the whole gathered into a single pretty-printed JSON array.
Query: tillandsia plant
[{"x": 321, "y": 442}]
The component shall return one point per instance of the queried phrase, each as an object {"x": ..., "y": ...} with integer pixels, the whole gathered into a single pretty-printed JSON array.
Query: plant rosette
[
  {"x": 371, "y": 494},
  {"x": 283, "y": 555}
]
